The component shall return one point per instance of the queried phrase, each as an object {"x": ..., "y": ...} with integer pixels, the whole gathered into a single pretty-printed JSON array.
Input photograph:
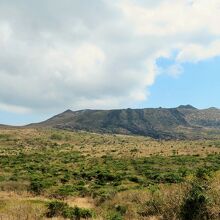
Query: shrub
[
  {"x": 121, "y": 209},
  {"x": 65, "y": 178},
  {"x": 203, "y": 173},
  {"x": 77, "y": 213},
  {"x": 195, "y": 204},
  {"x": 69, "y": 190},
  {"x": 66, "y": 190},
  {"x": 135, "y": 179},
  {"x": 57, "y": 137},
  {"x": 37, "y": 185},
  {"x": 114, "y": 215},
  {"x": 56, "y": 208},
  {"x": 172, "y": 178},
  {"x": 82, "y": 213},
  {"x": 5, "y": 137}
]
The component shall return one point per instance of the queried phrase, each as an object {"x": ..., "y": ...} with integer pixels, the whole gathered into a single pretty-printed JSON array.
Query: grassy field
[{"x": 51, "y": 174}]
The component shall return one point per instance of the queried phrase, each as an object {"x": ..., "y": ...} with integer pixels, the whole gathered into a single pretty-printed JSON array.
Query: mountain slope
[
  {"x": 181, "y": 122},
  {"x": 205, "y": 118}
]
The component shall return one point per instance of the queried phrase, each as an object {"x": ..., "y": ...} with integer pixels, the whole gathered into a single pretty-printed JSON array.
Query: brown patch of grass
[
  {"x": 160, "y": 204},
  {"x": 80, "y": 202},
  {"x": 214, "y": 197},
  {"x": 25, "y": 210}
]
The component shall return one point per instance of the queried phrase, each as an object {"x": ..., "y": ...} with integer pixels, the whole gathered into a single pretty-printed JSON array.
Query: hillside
[
  {"x": 205, "y": 118},
  {"x": 165, "y": 123}
]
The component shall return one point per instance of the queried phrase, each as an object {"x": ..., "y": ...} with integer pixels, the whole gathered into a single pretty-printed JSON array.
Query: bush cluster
[{"x": 57, "y": 208}]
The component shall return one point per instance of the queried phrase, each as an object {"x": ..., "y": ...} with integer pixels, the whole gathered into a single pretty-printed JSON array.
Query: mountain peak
[
  {"x": 187, "y": 107},
  {"x": 213, "y": 108},
  {"x": 68, "y": 111}
]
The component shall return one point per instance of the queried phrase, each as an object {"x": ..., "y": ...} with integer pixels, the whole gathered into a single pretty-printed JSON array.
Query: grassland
[{"x": 52, "y": 174}]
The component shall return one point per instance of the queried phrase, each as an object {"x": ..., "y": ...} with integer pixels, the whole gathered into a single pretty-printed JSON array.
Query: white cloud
[
  {"x": 195, "y": 52},
  {"x": 97, "y": 54},
  {"x": 14, "y": 108},
  {"x": 170, "y": 18},
  {"x": 5, "y": 32}
]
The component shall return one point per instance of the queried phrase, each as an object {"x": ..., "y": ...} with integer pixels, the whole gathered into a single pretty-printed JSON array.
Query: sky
[{"x": 82, "y": 54}]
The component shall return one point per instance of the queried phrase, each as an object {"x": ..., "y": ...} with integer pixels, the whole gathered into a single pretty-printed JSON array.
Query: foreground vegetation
[{"x": 48, "y": 174}]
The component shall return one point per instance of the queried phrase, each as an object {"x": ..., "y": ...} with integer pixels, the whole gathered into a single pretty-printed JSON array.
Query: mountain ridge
[{"x": 184, "y": 121}]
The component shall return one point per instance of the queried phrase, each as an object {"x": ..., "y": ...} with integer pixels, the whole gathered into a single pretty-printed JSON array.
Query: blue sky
[
  {"x": 64, "y": 55},
  {"x": 198, "y": 85}
]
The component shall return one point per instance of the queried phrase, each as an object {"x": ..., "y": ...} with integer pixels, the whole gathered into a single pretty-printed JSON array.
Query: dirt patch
[{"x": 86, "y": 202}]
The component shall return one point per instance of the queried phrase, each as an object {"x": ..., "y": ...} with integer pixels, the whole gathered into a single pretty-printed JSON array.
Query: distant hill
[
  {"x": 5, "y": 126},
  {"x": 205, "y": 118},
  {"x": 182, "y": 122}
]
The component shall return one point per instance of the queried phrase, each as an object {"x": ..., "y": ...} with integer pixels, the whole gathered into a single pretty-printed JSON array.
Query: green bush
[
  {"x": 81, "y": 213},
  {"x": 121, "y": 209},
  {"x": 70, "y": 190},
  {"x": 195, "y": 204},
  {"x": 135, "y": 179},
  {"x": 67, "y": 190},
  {"x": 37, "y": 185},
  {"x": 114, "y": 215},
  {"x": 172, "y": 178},
  {"x": 57, "y": 137},
  {"x": 203, "y": 173},
  {"x": 5, "y": 137},
  {"x": 57, "y": 208}
]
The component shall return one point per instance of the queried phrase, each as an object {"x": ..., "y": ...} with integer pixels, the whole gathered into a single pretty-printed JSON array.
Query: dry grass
[
  {"x": 85, "y": 202},
  {"x": 90, "y": 144},
  {"x": 159, "y": 204},
  {"x": 214, "y": 196},
  {"x": 25, "y": 210},
  {"x": 25, "y": 206}
]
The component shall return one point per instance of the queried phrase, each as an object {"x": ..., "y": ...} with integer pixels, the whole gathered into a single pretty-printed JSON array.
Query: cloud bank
[{"x": 97, "y": 54}]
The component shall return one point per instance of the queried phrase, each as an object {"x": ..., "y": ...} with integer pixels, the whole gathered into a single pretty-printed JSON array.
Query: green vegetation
[
  {"x": 137, "y": 179},
  {"x": 56, "y": 209},
  {"x": 70, "y": 173}
]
